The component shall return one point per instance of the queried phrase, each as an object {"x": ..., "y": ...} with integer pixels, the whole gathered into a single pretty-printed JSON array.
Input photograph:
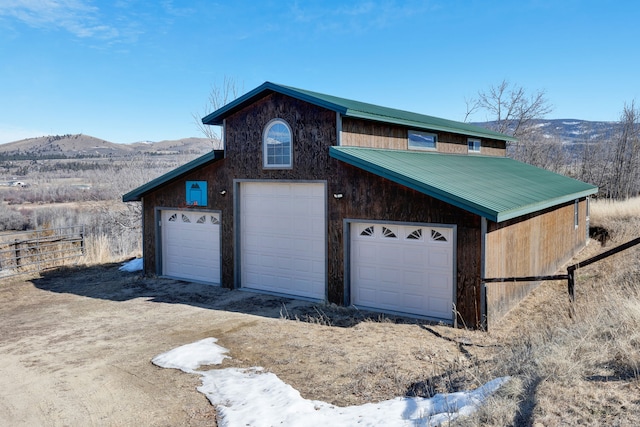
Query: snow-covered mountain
[{"x": 571, "y": 130}]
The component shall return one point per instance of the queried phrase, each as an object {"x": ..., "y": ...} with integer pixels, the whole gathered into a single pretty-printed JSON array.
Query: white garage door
[
  {"x": 402, "y": 268},
  {"x": 283, "y": 238},
  {"x": 191, "y": 245}
]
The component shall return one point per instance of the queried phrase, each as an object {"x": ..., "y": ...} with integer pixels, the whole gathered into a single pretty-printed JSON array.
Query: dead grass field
[{"x": 77, "y": 343}]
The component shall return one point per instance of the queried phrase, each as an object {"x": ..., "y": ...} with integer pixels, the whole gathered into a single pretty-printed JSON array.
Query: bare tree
[
  {"x": 510, "y": 109},
  {"x": 219, "y": 96},
  {"x": 625, "y": 164}
]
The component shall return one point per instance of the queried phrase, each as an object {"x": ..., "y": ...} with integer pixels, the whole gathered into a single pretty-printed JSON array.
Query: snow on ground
[
  {"x": 252, "y": 397},
  {"x": 131, "y": 266}
]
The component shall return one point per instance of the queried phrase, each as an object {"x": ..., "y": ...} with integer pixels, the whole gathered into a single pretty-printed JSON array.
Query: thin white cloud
[
  {"x": 359, "y": 16},
  {"x": 78, "y": 17}
]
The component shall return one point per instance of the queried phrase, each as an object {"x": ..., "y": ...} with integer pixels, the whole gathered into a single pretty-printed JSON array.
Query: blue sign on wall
[{"x": 197, "y": 193}]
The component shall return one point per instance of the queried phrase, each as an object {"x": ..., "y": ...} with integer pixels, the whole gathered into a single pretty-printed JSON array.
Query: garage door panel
[
  {"x": 284, "y": 224},
  {"x": 388, "y": 274},
  {"x": 414, "y": 255},
  {"x": 402, "y": 268},
  {"x": 440, "y": 306},
  {"x": 439, "y": 258}
]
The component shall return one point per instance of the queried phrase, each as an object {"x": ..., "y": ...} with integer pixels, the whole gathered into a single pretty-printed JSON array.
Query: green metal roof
[
  {"x": 355, "y": 109},
  {"x": 136, "y": 194},
  {"x": 497, "y": 188}
]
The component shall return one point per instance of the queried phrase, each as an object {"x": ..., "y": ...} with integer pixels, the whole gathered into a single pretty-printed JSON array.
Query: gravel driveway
[{"x": 77, "y": 343}]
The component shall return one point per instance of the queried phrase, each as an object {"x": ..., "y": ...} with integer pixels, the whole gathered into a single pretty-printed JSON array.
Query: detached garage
[{"x": 329, "y": 199}]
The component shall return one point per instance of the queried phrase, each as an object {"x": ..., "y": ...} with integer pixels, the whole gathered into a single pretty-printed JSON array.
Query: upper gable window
[
  {"x": 276, "y": 145},
  {"x": 422, "y": 140},
  {"x": 474, "y": 145}
]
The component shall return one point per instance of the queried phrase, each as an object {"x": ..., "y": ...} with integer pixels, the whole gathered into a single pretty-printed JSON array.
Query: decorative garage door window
[
  {"x": 367, "y": 231},
  {"x": 402, "y": 268},
  {"x": 415, "y": 234},
  {"x": 437, "y": 236},
  {"x": 388, "y": 232}
]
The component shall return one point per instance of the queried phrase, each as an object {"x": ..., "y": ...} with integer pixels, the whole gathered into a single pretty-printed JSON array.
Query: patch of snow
[
  {"x": 252, "y": 397},
  {"x": 570, "y": 123},
  {"x": 131, "y": 266},
  {"x": 190, "y": 357}
]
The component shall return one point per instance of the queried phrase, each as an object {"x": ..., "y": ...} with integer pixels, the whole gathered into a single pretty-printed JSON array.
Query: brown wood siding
[
  {"x": 363, "y": 133},
  {"x": 533, "y": 245}
]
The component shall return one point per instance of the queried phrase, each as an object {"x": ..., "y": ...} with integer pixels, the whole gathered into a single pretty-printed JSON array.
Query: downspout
[
  {"x": 338, "y": 129},
  {"x": 224, "y": 137},
  {"x": 483, "y": 261}
]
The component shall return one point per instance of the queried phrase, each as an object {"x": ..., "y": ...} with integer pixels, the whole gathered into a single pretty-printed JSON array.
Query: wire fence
[{"x": 27, "y": 252}]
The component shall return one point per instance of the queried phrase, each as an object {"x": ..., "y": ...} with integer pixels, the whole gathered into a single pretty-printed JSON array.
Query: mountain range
[
  {"x": 85, "y": 146},
  {"x": 567, "y": 131},
  {"x": 570, "y": 131}
]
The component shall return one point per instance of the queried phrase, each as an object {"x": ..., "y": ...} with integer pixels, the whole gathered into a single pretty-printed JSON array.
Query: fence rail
[
  {"x": 33, "y": 251},
  {"x": 570, "y": 276}
]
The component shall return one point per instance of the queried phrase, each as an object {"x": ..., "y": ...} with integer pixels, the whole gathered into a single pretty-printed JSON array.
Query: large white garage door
[
  {"x": 403, "y": 268},
  {"x": 283, "y": 238},
  {"x": 191, "y": 245}
]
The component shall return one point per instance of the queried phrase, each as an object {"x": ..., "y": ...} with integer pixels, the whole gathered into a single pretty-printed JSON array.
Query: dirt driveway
[{"x": 76, "y": 346}]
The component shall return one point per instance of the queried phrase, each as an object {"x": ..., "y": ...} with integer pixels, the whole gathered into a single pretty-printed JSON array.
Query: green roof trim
[
  {"x": 136, "y": 194},
  {"x": 497, "y": 188},
  {"x": 355, "y": 109}
]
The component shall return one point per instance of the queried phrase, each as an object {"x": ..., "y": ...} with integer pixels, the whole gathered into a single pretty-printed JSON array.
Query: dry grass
[{"x": 604, "y": 211}]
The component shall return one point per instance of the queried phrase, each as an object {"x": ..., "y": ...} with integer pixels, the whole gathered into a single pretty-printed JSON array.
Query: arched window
[{"x": 277, "y": 143}]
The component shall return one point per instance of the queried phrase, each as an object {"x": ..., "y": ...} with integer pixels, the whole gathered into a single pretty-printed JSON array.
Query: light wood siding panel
[
  {"x": 533, "y": 245},
  {"x": 363, "y": 133}
]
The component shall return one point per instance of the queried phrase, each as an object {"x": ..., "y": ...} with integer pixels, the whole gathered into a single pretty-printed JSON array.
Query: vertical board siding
[
  {"x": 534, "y": 245},
  {"x": 363, "y": 133}
]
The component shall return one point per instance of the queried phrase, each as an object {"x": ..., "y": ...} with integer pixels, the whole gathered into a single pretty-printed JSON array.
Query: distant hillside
[
  {"x": 83, "y": 146},
  {"x": 571, "y": 130},
  {"x": 568, "y": 131}
]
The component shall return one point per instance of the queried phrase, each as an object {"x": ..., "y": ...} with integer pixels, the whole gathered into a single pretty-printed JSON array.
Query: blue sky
[{"x": 128, "y": 70}]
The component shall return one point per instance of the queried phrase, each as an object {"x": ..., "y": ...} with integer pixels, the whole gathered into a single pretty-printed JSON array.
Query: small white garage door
[
  {"x": 191, "y": 245},
  {"x": 282, "y": 247},
  {"x": 403, "y": 268}
]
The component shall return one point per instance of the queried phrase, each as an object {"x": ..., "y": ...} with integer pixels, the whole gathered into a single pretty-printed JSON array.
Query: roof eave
[
  {"x": 264, "y": 89},
  {"x": 524, "y": 210},
  {"x": 480, "y": 133},
  {"x": 136, "y": 194},
  {"x": 462, "y": 203},
  {"x": 415, "y": 185}
]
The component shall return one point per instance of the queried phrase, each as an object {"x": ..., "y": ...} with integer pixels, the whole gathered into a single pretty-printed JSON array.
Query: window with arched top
[{"x": 277, "y": 145}]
